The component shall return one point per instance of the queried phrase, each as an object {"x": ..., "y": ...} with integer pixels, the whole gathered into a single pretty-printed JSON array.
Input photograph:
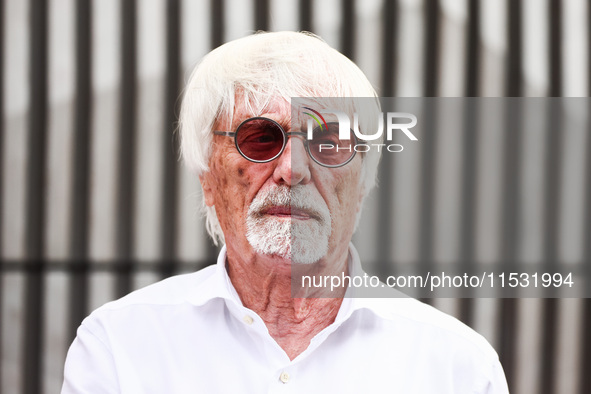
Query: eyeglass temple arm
[
  {"x": 232, "y": 133},
  {"x": 300, "y": 133}
]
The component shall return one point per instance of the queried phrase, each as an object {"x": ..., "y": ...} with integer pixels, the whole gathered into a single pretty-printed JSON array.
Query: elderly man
[{"x": 280, "y": 204}]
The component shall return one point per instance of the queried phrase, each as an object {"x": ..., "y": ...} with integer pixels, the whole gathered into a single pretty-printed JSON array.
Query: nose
[{"x": 293, "y": 166}]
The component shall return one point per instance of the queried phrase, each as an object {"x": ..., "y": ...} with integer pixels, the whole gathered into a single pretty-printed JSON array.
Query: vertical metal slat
[
  {"x": 511, "y": 175},
  {"x": 261, "y": 15},
  {"x": 35, "y": 204},
  {"x": 470, "y": 150},
  {"x": 429, "y": 143},
  {"x": 305, "y": 11},
  {"x": 217, "y": 23},
  {"x": 127, "y": 142},
  {"x": 168, "y": 234},
  {"x": 389, "y": 48},
  {"x": 431, "y": 48},
  {"x": 81, "y": 179},
  {"x": 385, "y": 198},
  {"x": 553, "y": 168},
  {"x": 348, "y": 28}
]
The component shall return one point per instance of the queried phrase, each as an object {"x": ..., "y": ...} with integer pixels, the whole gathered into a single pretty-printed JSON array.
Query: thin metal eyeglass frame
[{"x": 286, "y": 135}]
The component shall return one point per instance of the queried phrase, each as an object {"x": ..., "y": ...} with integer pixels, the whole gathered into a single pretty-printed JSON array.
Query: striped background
[{"x": 95, "y": 204}]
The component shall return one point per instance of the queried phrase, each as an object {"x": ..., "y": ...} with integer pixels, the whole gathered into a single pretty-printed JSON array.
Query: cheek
[
  {"x": 347, "y": 196},
  {"x": 228, "y": 175},
  {"x": 347, "y": 190},
  {"x": 231, "y": 186}
]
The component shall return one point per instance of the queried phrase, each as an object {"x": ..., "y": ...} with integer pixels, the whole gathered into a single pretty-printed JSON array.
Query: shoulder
[
  {"x": 427, "y": 324},
  {"x": 432, "y": 344},
  {"x": 172, "y": 291}
]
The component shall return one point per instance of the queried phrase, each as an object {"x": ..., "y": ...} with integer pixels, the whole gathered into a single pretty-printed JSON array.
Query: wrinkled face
[{"x": 290, "y": 209}]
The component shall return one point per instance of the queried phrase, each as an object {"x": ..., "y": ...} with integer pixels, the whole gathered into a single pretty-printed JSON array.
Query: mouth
[{"x": 289, "y": 212}]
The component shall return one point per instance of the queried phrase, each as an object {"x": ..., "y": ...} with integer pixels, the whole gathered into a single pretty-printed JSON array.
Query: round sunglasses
[{"x": 261, "y": 140}]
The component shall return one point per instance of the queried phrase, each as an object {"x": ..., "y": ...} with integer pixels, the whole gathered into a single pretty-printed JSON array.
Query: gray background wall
[{"x": 94, "y": 203}]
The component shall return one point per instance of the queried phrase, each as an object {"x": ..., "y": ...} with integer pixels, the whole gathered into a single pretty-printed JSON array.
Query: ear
[{"x": 207, "y": 186}]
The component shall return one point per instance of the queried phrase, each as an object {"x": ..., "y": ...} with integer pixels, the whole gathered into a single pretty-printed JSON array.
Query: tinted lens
[
  {"x": 259, "y": 139},
  {"x": 328, "y": 149}
]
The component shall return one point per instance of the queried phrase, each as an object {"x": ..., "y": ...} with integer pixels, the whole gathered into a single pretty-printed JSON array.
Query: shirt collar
[
  {"x": 378, "y": 301},
  {"x": 216, "y": 285}
]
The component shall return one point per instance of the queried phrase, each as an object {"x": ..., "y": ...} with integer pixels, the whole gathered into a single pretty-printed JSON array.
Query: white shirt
[{"x": 191, "y": 334}]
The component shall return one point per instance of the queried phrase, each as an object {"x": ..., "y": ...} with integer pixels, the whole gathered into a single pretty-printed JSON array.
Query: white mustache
[{"x": 297, "y": 197}]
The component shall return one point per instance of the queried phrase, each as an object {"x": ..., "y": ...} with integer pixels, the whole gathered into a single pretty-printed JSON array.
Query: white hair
[{"x": 263, "y": 67}]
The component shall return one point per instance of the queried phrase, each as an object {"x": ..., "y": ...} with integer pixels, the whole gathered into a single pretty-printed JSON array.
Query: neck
[{"x": 264, "y": 286}]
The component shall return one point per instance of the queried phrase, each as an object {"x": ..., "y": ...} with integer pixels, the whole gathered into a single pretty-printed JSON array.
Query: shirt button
[
  {"x": 284, "y": 377},
  {"x": 248, "y": 320}
]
